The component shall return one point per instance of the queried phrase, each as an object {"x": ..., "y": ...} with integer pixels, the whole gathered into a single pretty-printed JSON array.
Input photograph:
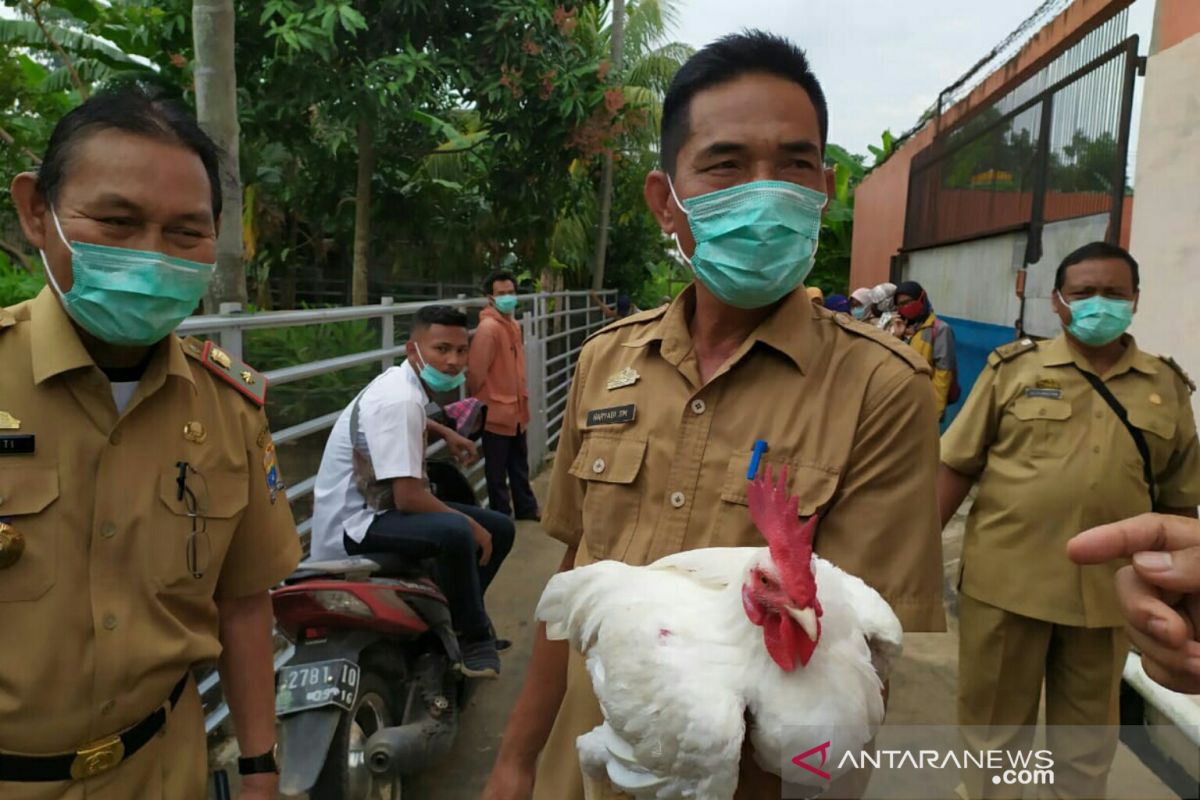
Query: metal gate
[{"x": 1053, "y": 149}]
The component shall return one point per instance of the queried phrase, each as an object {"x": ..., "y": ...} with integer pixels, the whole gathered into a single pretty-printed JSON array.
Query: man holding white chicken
[{"x": 671, "y": 410}]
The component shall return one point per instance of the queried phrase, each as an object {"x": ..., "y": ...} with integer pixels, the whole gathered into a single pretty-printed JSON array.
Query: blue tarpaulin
[{"x": 973, "y": 341}]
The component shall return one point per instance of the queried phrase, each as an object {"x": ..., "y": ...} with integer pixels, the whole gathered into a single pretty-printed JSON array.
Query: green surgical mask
[
  {"x": 1097, "y": 320},
  {"x": 755, "y": 242},
  {"x": 436, "y": 379},
  {"x": 129, "y": 297},
  {"x": 506, "y": 304}
]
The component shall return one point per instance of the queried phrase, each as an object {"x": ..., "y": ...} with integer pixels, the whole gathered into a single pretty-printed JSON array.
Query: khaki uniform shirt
[
  {"x": 101, "y": 616},
  {"x": 1053, "y": 459},
  {"x": 846, "y": 408}
]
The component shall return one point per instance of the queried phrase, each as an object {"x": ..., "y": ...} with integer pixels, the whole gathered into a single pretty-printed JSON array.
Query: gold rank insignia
[
  {"x": 1156, "y": 399},
  {"x": 236, "y": 373},
  {"x": 194, "y": 432},
  {"x": 626, "y": 377},
  {"x": 12, "y": 545},
  {"x": 220, "y": 357},
  {"x": 8, "y": 422},
  {"x": 1048, "y": 383}
]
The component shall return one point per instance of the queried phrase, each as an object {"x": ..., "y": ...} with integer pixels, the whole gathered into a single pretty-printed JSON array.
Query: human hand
[
  {"x": 510, "y": 780},
  {"x": 462, "y": 449},
  {"x": 260, "y": 786},
  {"x": 1159, "y": 594},
  {"x": 484, "y": 540}
]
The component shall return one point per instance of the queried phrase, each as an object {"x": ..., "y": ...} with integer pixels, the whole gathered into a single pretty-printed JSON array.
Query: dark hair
[
  {"x": 428, "y": 316},
  {"x": 135, "y": 109},
  {"x": 489, "y": 283},
  {"x": 730, "y": 57},
  {"x": 1092, "y": 252}
]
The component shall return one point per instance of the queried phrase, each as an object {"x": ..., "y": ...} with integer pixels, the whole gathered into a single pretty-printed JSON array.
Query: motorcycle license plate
[{"x": 323, "y": 683}]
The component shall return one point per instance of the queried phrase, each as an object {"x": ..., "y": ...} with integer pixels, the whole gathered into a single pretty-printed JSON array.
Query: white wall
[
  {"x": 1166, "y": 217},
  {"x": 973, "y": 280},
  {"x": 977, "y": 280}
]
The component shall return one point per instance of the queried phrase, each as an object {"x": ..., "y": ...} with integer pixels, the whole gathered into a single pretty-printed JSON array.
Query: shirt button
[
  {"x": 698, "y": 407},
  {"x": 108, "y": 707},
  {"x": 108, "y": 530},
  {"x": 2, "y": 499},
  {"x": 677, "y": 499},
  {"x": 598, "y": 466},
  {"x": 1096, "y": 449},
  {"x": 1099, "y": 414},
  {"x": 110, "y": 622},
  {"x": 1041, "y": 412},
  {"x": 115, "y": 438}
]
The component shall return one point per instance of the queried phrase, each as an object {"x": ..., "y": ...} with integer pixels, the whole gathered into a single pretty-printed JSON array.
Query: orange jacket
[{"x": 496, "y": 372}]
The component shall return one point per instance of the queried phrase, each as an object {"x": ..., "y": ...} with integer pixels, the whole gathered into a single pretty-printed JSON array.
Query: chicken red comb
[{"x": 776, "y": 515}]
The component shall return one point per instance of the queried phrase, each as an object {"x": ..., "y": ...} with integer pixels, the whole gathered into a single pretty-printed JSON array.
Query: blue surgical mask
[
  {"x": 859, "y": 312},
  {"x": 1097, "y": 320},
  {"x": 506, "y": 304},
  {"x": 436, "y": 379},
  {"x": 756, "y": 242},
  {"x": 129, "y": 297}
]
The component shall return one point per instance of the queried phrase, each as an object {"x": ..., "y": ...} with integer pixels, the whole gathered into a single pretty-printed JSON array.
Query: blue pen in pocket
[{"x": 760, "y": 447}]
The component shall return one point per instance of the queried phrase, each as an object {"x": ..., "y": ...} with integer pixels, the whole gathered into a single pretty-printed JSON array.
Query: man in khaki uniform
[
  {"x": 1053, "y": 458},
  {"x": 142, "y": 518},
  {"x": 666, "y": 406}
]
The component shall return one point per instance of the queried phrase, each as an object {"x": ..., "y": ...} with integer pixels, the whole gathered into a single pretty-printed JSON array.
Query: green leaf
[{"x": 351, "y": 19}]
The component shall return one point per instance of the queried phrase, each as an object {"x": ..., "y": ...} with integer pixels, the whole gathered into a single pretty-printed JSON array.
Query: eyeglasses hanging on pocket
[{"x": 193, "y": 492}]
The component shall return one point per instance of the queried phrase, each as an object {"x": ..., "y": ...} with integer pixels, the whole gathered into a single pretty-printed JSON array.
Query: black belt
[{"x": 91, "y": 759}]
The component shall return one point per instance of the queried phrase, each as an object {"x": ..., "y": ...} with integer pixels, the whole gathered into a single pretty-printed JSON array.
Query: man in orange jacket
[{"x": 496, "y": 375}]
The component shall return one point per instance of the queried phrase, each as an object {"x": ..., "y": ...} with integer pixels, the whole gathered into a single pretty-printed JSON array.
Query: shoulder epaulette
[
  {"x": 1187, "y": 381},
  {"x": 1007, "y": 352},
  {"x": 7, "y": 320},
  {"x": 898, "y": 347},
  {"x": 632, "y": 319},
  {"x": 235, "y": 372}
]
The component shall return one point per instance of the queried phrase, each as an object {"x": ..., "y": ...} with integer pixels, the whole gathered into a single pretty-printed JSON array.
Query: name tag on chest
[
  {"x": 617, "y": 415},
  {"x": 16, "y": 444},
  {"x": 1053, "y": 394}
]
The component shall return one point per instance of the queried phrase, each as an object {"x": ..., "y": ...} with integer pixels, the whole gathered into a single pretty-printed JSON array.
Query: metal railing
[{"x": 555, "y": 327}]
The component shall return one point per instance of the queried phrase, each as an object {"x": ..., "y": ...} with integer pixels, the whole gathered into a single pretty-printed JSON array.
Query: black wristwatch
[{"x": 259, "y": 764}]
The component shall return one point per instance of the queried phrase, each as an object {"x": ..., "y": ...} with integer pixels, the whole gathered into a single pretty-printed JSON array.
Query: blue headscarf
[{"x": 838, "y": 302}]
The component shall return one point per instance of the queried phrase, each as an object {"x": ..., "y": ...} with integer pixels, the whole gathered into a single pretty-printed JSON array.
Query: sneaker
[
  {"x": 480, "y": 659},
  {"x": 503, "y": 645}
]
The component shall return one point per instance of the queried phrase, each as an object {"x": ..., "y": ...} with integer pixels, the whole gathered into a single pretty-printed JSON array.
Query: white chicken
[{"x": 680, "y": 650}]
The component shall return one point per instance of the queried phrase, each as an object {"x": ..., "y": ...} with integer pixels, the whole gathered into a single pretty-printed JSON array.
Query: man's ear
[
  {"x": 657, "y": 192},
  {"x": 830, "y": 182},
  {"x": 31, "y": 208}
]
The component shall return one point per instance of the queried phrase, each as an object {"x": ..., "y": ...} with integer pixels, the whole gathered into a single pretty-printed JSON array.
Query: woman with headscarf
[
  {"x": 838, "y": 304},
  {"x": 884, "y": 298},
  {"x": 933, "y": 340},
  {"x": 862, "y": 306}
]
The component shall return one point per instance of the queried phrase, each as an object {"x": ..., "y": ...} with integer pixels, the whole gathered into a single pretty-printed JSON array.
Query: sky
[{"x": 881, "y": 62}]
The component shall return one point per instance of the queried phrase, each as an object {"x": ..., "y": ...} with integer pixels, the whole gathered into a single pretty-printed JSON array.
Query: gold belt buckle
[{"x": 97, "y": 758}]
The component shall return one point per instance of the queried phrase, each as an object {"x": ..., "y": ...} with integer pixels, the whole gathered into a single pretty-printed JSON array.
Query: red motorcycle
[{"x": 373, "y": 691}]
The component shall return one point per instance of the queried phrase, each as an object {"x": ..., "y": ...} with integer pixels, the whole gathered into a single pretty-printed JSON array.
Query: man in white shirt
[{"x": 388, "y": 438}]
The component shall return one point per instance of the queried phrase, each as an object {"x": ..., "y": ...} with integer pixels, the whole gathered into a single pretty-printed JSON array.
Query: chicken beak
[{"x": 807, "y": 618}]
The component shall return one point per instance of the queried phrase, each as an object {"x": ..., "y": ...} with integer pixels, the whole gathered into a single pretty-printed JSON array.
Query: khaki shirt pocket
[
  {"x": 1044, "y": 424},
  {"x": 813, "y": 485},
  {"x": 609, "y": 467},
  {"x": 221, "y": 496},
  {"x": 1157, "y": 425},
  {"x": 26, "y": 491}
]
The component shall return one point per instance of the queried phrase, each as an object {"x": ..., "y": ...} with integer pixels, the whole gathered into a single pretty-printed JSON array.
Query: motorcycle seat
[{"x": 384, "y": 565}]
